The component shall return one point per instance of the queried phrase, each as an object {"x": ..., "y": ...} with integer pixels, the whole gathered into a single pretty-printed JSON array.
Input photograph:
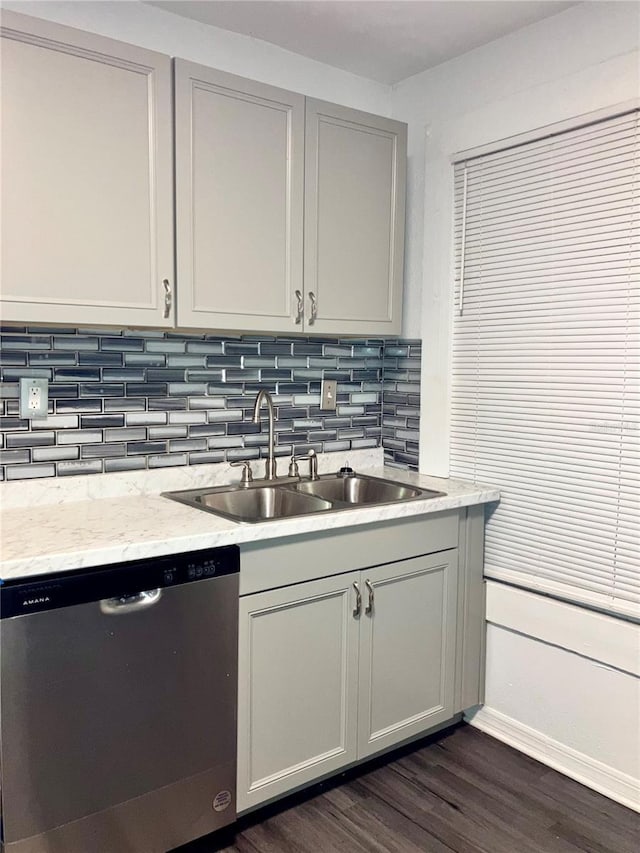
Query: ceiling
[{"x": 383, "y": 40}]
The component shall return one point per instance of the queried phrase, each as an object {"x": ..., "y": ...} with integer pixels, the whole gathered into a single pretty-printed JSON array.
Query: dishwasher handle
[{"x": 130, "y": 603}]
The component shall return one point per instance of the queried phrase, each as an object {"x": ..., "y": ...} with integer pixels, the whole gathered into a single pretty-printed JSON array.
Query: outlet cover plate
[
  {"x": 329, "y": 391},
  {"x": 34, "y": 397}
]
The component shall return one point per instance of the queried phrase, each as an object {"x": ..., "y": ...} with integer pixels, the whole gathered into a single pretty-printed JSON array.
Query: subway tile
[
  {"x": 242, "y": 453},
  {"x": 216, "y": 415},
  {"x": 350, "y": 410},
  {"x": 103, "y": 390},
  {"x": 14, "y": 359},
  {"x": 165, "y": 346},
  {"x": 123, "y": 374},
  {"x": 259, "y": 439},
  {"x": 187, "y": 417},
  {"x": 176, "y": 431},
  {"x": 338, "y": 350},
  {"x": 240, "y": 375},
  {"x": 241, "y": 347},
  {"x": 137, "y": 448},
  {"x": 56, "y": 422},
  {"x": 13, "y": 423},
  {"x": 186, "y": 361},
  {"x": 219, "y": 442},
  {"x": 306, "y": 399},
  {"x": 146, "y": 389},
  {"x": 223, "y": 360},
  {"x": 126, "y": 463},
  {"x": 275, "y": 348},
  {"x": 336, "y": 446},
  {"x": 207, "y": 403},
  {"x": 361, "y": 443},
  {"x": 205, "y": 375},
  {"x": 100, "y": 451},
  {"x": 146, "y": 418},
  {"x": 25, "y": 342},
  {"x": 291, "y": 362},
  {"x": 79, "y": 436},
  {"x": 125, "y": 404},
  {"x": 187, "y": 444},
  {"x": 187, "y": 388},
  {"x": 168, "y": 403},
  {"x": 9, "y": 373},
  {"x": 99, "y": 421},
  {"x": 129, "y": 433},
  {"x": 243, "y": 428},
  {"x": 205, "y": 457},
  {"x": 76, "y": 374},
  {"x": 29, "y": 472},
  {"x": 165, "y": 374},
  {"x": 304, "y": 375},
  {"x": 145, "y": 359},
  {"x": 84, "y": 405},
  {"x": 205, "y": 347},
  {"x": 100, "y": 359},
  {"x": 30, "y": 439},
  {"x": 124, "y": 344},
  {"x": 170, "y": 460},
  {"x": 307, "y": 348},
  {"x": 9, "y": 391},
  {"x": 75, "y": 343},
  {"x": 54, "y": 454},
  {"x": 71, "y": 468},
  {"x": 10, "y": 457},
  {"x": 259, "y": 361},
  {"x": 49, "y": 359}
]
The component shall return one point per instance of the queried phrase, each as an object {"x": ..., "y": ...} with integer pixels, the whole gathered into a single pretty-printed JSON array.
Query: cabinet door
[
  {"x": 355, "y": 175},
  {"x": 297, "y": 693},
  {"x": 87, "y": 198},
  {"x": 407, "y": 649},
  {"x": 239, "y": 176}
]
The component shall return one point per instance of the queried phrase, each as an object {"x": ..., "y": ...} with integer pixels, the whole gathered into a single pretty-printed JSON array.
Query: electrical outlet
[
  {"x": 329, "y": 390},
  {"x": 34, "y": 398}
]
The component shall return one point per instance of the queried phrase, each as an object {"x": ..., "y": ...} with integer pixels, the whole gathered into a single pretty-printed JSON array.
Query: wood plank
[{"x": 459, "y": 791}]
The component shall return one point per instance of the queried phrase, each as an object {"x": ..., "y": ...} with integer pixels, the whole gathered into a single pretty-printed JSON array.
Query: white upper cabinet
[
  {"x": 87, "y": 200},
  {"x": 355, "y": 175},
  {"x": 239, "y": 201}
]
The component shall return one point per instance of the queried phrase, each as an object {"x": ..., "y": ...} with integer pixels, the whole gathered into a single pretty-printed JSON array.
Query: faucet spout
[{"x": 265, "y": 397}]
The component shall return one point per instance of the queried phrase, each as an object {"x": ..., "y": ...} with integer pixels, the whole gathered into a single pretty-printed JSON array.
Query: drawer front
[{"x": 281, "y": 562}]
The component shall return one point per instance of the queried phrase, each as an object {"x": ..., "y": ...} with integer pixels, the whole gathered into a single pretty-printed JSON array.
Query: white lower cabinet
[{"x": 336, "y": 669}]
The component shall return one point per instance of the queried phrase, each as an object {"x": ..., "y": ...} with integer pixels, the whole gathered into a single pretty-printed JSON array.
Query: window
[{"x": 545, "y": 388}]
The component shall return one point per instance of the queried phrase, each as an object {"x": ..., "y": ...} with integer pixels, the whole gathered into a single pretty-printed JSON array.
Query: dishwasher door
[{"x": 118, "y": 716}]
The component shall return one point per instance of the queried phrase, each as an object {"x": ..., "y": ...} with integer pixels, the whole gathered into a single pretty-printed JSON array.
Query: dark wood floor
[{"x": 460, "y": 791}]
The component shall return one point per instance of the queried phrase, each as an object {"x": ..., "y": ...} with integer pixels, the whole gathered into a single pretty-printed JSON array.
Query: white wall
[
  {"x": 577, "y": 711},
  {"x": 155, "y": 29}
]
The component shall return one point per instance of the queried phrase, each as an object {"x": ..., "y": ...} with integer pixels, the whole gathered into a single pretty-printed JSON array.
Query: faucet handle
[
  {"x": 294, "y": 471},
  {"x": 247, "y": 473}
]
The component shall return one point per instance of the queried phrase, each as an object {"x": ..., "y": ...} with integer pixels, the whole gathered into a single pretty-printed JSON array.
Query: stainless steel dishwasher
[{"x": 118, "y": 705}]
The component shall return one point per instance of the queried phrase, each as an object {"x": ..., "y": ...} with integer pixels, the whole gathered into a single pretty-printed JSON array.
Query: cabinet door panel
[
  {"x": 297, "y": 686},
  {"x": 355, "y": 176},
  {"x": 239, "y": 173},
  {"x": 87, "y": 200},
  {"x": 407, "y": 650}
]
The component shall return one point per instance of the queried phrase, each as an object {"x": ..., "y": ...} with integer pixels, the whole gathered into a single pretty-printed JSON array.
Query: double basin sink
[{"x": 287, "y": 498}]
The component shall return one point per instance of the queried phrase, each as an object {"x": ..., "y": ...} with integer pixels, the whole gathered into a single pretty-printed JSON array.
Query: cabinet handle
[
  {"x": 167, "y": 297},
  {"x": 369, "y": 608},
  {"x": 314, "y": 308},
  {"x": 300, "y": 307},
  {"x": 358, "y": 607}
]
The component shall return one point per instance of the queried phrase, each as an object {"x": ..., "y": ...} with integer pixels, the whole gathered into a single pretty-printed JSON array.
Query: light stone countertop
[{"x": 45, "y": 537}]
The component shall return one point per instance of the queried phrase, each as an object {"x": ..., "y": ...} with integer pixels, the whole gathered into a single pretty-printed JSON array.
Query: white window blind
[{"x": 545, "y": 387}]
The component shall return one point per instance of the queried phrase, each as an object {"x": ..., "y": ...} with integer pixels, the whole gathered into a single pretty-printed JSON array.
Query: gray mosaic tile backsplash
[
  {"x": 132, "y": 400},
  {"x": 401, "y": 402}
]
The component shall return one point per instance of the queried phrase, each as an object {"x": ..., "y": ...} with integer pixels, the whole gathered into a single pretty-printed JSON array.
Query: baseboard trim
[{"x": 588, "y": 771}]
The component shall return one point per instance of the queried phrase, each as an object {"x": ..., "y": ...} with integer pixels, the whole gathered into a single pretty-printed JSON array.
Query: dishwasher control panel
[{"x": 64, "y": 589}]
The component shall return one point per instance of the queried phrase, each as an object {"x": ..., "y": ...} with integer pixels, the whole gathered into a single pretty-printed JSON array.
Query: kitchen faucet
[{"x": 270, "y": 464}]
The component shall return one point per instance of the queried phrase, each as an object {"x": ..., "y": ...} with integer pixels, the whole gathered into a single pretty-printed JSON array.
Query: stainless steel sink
[
  {"x": 360, "y": 489},
  {"x": 258, "y": 503},
  {"x": 292, "y": 497}
]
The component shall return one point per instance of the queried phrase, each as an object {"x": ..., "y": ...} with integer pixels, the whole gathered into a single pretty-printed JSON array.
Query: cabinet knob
[
  {"x": 300, "y": 307},
  {"x": 168, "y": 295},
  {"x": 314, "y": 307}
]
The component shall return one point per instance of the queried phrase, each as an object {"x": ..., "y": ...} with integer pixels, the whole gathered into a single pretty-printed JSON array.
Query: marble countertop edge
[{"x": 57, "y": 538}]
